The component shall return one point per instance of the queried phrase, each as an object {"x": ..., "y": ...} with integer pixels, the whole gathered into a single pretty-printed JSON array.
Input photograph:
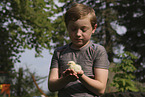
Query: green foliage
[
  {"x": 59, "y": 32},
  {"x": 22, "y": 84},
  {"x": 24, "y": 24},
  {"x": 105, "y": 16},
  {"x": 129, "y": 14},
  {"x": 53, "y": 94},
  {"x": 132, "y": 16},
  {"x": 140, "y": 86},
  {"x": 124, "y": 79},
  {"x": 105, "y": 34}
]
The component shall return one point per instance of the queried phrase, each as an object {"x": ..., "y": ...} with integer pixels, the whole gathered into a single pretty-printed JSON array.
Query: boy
[{"x": 91, "y": 81}]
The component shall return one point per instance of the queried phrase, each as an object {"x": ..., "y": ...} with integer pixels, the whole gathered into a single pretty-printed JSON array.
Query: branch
[{"x": 38, "y": 86}]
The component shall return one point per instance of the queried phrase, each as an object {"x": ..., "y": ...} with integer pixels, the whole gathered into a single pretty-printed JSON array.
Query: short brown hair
[{"x": 78, "y": 11}]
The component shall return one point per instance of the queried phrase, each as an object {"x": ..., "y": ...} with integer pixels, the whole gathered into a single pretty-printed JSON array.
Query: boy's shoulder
[
  {"x": 62, "y": 48},
  {"x": 95, "y": 46}
]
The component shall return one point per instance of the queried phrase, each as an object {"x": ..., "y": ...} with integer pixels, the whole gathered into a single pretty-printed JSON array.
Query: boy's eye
[{"x": 84, "y": 30}]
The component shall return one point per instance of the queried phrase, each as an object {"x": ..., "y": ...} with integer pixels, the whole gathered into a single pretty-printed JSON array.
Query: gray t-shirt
[{"x": 90, "y": 56}]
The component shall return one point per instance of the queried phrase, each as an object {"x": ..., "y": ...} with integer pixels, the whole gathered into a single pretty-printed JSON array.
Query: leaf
[{"x": 124, "y": 78}]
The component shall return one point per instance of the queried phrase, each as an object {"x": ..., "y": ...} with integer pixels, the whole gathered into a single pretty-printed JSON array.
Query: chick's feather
[{"x": 74, "y": 66}]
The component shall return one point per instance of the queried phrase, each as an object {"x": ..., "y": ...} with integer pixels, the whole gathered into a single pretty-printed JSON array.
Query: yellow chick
[{"x": 74, "y": 66}]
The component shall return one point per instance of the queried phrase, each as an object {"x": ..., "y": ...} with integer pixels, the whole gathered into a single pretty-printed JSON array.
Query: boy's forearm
[
  {"x": 54, "y": 82},
  {"x": 93, "y": 85},
  {"x": 57, "y": 84}
]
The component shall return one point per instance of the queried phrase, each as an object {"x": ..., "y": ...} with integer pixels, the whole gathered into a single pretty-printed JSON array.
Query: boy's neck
[{"x": 77, "y": 47}]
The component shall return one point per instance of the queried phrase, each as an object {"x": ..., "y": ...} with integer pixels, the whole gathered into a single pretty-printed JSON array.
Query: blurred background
[{"x": 30, "y": 30}]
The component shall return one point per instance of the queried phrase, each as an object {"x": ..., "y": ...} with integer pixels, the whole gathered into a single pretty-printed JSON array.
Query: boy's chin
[{"x": 78, "y": 45}]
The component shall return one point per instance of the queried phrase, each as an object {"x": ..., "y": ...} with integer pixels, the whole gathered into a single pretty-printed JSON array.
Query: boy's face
[{"x": 80, "y": 31}]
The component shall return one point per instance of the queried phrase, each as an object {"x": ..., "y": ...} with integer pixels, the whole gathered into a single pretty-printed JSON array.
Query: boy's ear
[{"x": 94, "y": 28}]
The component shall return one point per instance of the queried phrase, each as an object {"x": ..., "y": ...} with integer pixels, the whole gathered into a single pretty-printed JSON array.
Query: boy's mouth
[{"x": 78, "y": 39}]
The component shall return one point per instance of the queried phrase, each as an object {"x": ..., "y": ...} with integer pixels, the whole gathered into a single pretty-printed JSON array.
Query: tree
[
  {"x": 129, "y": 14},
  {"x": 105, "y": 33},
  {"x": 124, "y": 79},
  {"x": 22, "y": 83},
  {"x": 59, "y": 32},
  {"x": 132, "y": 16},
  {"x": 24, "y": 24}
]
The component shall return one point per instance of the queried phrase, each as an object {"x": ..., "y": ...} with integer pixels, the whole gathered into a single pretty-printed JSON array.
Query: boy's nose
[{"x": 78, "y": 32}]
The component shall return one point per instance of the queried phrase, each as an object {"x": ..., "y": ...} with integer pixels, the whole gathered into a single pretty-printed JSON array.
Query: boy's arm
[
  {"x": 55, "y": 83},
  {"x": 98, "y": 84}
]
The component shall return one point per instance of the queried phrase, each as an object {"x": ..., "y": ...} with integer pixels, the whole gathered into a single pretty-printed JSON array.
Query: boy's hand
[
  {"x": 70, "y": 74},
  {"x": 80, "y": 73}
]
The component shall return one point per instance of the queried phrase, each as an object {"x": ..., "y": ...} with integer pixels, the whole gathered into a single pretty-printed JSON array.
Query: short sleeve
[
  {"x": 101, "y": 58},
  {"x": 54, "y": 60}
]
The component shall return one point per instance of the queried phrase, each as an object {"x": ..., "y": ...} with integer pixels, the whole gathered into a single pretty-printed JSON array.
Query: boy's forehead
[
  {"x": 87, "y": 17},
  {"x": 83, "y": 22}
]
